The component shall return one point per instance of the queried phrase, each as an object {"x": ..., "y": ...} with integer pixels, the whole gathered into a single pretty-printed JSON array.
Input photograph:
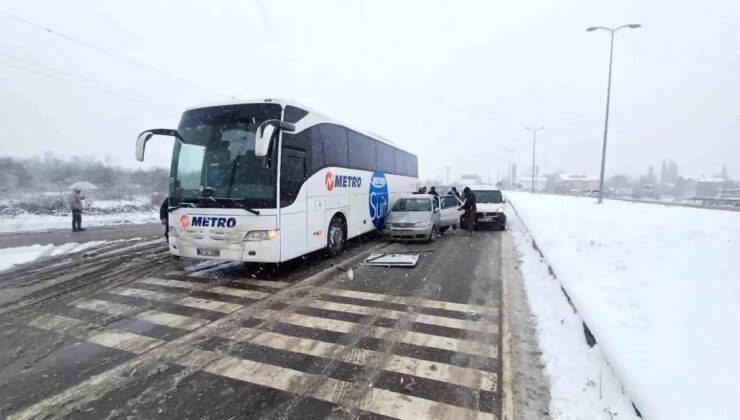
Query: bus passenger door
[{"x": 292, "y": 203}]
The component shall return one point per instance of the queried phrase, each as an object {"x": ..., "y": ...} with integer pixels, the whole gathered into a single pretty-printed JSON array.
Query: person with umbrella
[{"x": 75, "y": 203}]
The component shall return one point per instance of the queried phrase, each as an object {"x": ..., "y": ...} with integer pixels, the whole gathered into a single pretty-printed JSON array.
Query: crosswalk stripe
[
  {"x": 434, "y": 304},
  {"x": 377, "y": 401},
  {"x": 120, "y": 340},
  {"x": 262, "y": 283},
  {"x": 229, "y": 291},
  {"x": 461, "y": 324},
  {"x": 190, "y": 301},
  {"x": 467, "y": 377},
  {"x": 151, "y": 316},
  {"x": 410, "y": 337},
  {"x": 173, "y": 283}
]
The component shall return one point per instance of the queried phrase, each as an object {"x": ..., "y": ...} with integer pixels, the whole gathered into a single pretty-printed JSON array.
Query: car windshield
[
  {"x": 215, "y": 158},
  {"x": 488, "y": 196},
  {"x": 413, "y": 204}
]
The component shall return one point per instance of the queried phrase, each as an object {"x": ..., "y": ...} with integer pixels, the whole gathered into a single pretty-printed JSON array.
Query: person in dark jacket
[
  {"x": 164, "y": 211},
  {"x": 468, "y": 218},
  {"x": 433, "y": 192},
  {"x": 454, "y": 192}
]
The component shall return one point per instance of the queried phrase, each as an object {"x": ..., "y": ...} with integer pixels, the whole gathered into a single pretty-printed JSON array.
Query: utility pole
[
  {"x": 447, "y": 168},
  {"x": 534, "y": 147},
  {"x": 509, "y": 150},
  {"x": 612, "y": 31}
]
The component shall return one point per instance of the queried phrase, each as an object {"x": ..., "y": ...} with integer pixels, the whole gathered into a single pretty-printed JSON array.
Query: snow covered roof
[
  {"x": 576, "y": 177},
  {"x": 709, "y": 179}
]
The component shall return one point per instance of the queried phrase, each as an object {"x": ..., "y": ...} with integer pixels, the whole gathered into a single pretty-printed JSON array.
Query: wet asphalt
[{"x": 314, "y": 338}]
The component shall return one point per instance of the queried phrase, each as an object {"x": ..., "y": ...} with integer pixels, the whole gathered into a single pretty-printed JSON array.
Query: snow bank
[
  {"x": 659, "y": 288},
  {"x": 582, "y": 384},
  {"x": 34, "y": 223},
  {"x": 26, "y": 254}
]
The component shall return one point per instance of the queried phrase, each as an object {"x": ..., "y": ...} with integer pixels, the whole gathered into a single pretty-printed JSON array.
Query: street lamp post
[
  {"x": 534, "y": 146},
  {"x": 508, "y": 150},
  {"x": 612, "y": 31}
]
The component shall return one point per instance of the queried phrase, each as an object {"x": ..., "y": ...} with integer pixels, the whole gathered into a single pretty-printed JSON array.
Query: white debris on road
[
  {"x": 658, "y": 287},
  {"x": 10, "y": 257}
]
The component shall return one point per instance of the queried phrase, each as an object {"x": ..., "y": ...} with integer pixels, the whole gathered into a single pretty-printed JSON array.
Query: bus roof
[{"x": 287, "y": 102}]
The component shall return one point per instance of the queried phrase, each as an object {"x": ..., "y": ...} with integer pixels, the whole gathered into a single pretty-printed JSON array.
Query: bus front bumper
[{"x": 265, "y": 251}]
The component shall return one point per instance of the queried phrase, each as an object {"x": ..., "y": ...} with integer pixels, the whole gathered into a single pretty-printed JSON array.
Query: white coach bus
[{"x": 269, "y": 180}]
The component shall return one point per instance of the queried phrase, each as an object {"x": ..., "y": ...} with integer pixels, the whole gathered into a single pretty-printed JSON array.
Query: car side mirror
[{"x": 264, "y": 134}]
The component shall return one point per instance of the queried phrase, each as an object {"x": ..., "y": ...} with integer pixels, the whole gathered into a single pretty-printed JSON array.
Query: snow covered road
[{"x": 659, "y": 288}]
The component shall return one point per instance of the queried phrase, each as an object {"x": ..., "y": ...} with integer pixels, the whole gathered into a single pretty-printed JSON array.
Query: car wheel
[
  {"x": 335, "y": 238},
  {"x": 443, "y": 230},
  {"x": 433, "y": 234}
]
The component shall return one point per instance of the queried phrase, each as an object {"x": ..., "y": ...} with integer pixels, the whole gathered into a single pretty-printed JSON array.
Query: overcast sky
[{"x": 454, "y": 82}]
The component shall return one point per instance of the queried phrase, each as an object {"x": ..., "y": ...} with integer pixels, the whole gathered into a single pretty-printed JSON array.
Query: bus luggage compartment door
[{"x": 316, "y": 220}]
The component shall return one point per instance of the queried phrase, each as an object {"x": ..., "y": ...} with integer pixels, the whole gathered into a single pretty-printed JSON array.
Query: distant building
[
  {"x": 525, "y": 183},
  {"x": 565, "y": 183},
  {"x": 710, "y": 187},
  {"x": 470, "y": 179}
]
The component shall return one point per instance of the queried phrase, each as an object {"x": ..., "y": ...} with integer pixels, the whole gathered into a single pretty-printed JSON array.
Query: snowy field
[
  {"x": 26, "y": 254},
  {"x": 659, "y": 288},
  {"x": 34, "y": 223}
]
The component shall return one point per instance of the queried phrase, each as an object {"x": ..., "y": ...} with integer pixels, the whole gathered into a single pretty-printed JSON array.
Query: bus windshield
[
  {"x": 489, "y": 196},
  {"x": 214, "y": 160}
]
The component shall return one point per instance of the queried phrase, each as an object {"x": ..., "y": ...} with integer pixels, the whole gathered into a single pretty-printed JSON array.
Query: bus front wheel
[{"x": 335, "y": 237}]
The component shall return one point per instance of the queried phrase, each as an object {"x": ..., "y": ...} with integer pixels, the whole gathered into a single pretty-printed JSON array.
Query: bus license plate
[{"x": 208, "y": 252}]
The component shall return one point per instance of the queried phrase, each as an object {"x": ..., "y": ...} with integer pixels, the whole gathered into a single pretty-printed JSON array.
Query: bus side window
[
  {"x": 334, "y": 139},
  {"x": 292, "y": 175},
  {"x": 386, "y": 159},
  {"x": 361, "y": 152}
]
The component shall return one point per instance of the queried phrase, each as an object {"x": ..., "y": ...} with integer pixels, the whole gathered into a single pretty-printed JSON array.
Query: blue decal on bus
[{"x": 378, "y": 201}]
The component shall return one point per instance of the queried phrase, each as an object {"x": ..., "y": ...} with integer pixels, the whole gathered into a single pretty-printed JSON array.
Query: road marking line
[
  {"x": 378, "y": 401},
  {"x": 434, "y": 304},
  {"x": 116, "y": 339},
  {"x": 410, "y": 337},
  {"x": 151, "y": 316},
  {"x": 189, "y": 301},
  {"x": 467, "y": 377},
  {"x": 229, "y": 291},
  {"x": 460, "y": 324},
  {"x": 262, "y": 283}
]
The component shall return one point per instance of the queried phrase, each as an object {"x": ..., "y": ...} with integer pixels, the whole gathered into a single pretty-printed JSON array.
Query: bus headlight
[{"x": 260, "y": 235}]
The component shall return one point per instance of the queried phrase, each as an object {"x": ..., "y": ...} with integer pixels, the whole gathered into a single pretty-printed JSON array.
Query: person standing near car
[
  {"x": 75, "y": 204},
  {"x": 468, "y": 218},
  {"x": 433, "y": 192},
  {"x": 454, "y": 192},
  {"x": 164, "y": 211}
]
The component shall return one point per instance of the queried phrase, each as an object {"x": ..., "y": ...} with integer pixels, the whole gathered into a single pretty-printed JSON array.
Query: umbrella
[{"x": 83, "y": 185}]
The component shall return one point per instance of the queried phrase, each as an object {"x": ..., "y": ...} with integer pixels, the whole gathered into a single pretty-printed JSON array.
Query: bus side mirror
[
  {"x": 141, "y": 144},
  {"x": 146, "y": 135},
  {"x": 264, "y": 134}
]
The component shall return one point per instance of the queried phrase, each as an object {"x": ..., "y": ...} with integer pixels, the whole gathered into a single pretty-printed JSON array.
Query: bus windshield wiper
[{"x": 251, "y": 210}]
